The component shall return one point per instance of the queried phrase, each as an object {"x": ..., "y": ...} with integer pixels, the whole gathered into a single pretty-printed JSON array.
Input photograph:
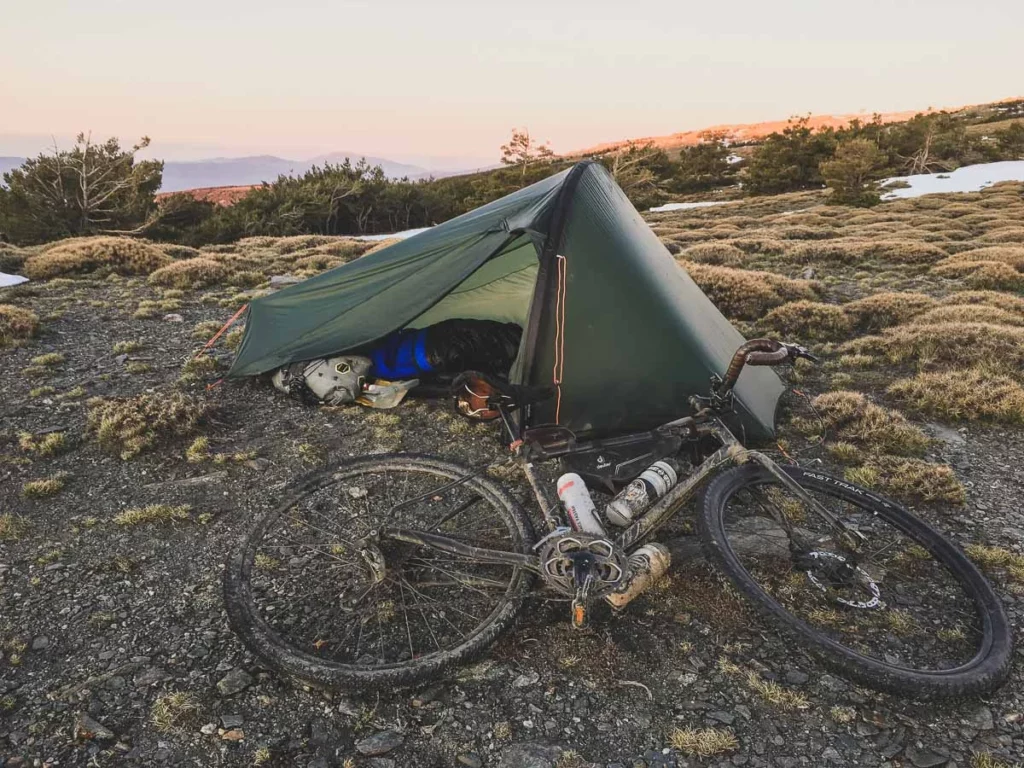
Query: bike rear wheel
[
  {"x": 319, "y": 592},
  {"x": 902, "y": 611}
]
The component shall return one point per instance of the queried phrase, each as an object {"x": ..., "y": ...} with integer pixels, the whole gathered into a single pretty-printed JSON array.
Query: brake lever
[{"x": 796, "y": 352}]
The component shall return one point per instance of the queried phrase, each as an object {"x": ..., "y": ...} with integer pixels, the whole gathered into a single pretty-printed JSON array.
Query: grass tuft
[
  {"x": 153, "y": 513},
  {"x": 132, "y": 426},
  {"x": 703, "y": 742},
  {"x": 854, "y": 419},
  {"x": 120, "y": 255},
  {"x": 190, "y": 273},
  {"x": 44, "y": 488},
  {"x": 971, "y": 394},
  {"x": 808, "y": 321},
  {"x": 746, "y": 294},
  {"x": 17, "y": 325},
  {"x": 174, "y": 712},
  {"x": 48, "y": 445},
  {"x": 909, "y": 479},
  {"x": 11, "y": 527}
]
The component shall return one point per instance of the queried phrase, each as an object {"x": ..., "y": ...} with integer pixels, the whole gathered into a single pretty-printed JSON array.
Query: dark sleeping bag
[{"x": 451, "y": 346}]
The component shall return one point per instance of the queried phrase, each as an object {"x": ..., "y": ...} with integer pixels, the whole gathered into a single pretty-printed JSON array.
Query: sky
[{"x": 441, "y": 83}]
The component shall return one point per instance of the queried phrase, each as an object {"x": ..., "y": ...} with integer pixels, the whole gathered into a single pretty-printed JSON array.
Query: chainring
[{"x": 557, "y": 566}]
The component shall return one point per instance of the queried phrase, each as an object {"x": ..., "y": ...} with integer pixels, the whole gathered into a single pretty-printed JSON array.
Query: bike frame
[{"x": 730, "y": 452}]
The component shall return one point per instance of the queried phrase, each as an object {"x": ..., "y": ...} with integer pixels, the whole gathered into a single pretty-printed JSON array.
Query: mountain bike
[{"x": 388, "y": 570}]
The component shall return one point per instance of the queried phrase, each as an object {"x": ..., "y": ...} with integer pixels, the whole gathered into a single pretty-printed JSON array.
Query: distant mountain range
[{"x": 243, "y": 171}]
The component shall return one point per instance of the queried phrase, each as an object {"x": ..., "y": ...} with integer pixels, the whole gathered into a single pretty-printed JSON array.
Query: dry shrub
[
  {"x": 853, "y": 418},
  {"x": 967, "y": 313},
  {"x": 909, "y": 479},
  {"x": 955, "y": 210},
  {"x": 16, "y": 325},
  {"x": 967, "y": 344},
  {"x": 132, "y": 426},
  {"x": 994, "y": 275},
  {"x": 989, "y": 298},
  {"x": 1007, "y": 254},
  {"x": 834, "y": 251},
  {"x": 176, "y": 251},
  {"x": 120, "y": 255},
  {"x": 904, "y": 251},
  {"x": 762, "y": 245},
  {"x": 1004, "y": 235},
  {"x": 971, "y": 394},
  {"x": 746, "y": 294},
  {"x": 804, "y": 233},
  {"x": 714, "y": 253},
  {"x": 808, "y": 321},
  {"x": 190, "y": 273},
  {"x": 977, "y": 220},
  {"x": 884, "y": 309}
]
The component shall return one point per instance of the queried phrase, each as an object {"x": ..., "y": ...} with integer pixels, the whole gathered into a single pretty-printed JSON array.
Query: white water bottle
[
  {"x": 579, "y": 507},
  {"x": 653, "y": 483}
]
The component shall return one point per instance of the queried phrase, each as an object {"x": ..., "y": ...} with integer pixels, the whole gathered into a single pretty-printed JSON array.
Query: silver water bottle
[{"x": 633, "y": 500}]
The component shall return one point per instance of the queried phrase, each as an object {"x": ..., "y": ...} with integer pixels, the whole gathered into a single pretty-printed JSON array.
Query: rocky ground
[{"x": 116, "y": 649}]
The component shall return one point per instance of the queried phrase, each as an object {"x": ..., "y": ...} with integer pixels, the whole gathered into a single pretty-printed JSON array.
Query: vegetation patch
[
  {"x": 854, "y": 419},
  {"x": 909, "y": 479},
  {"x": 1014, "y": 256},
  {"x": 153, "y": 513},
  {"x": 968, "y": 313},
  {"x": 46, "y": 445},
  {"x": 998, "y": 299},
  {"x": 715, "y": 253},
  {"x": 996, "y": 275},
  {"x": 44, "y": 488},
  {"x": 882, "y": 310},
  {"x": 703, "y": 742},
  {"x": 11, "y": 527},
  {"x": 132, "y": 426},
  {"x": 174, "y": 712},
  {"x": 745, "y": 294},
  {"x": 17, "y": 325},
  {"x": 191, "y": 273},
  {"x": 85, "y": 255},
  {"x": 972, "y": 394},
  {"x": 1000, "y": 347},
  {"x": 808, "y": 321}
]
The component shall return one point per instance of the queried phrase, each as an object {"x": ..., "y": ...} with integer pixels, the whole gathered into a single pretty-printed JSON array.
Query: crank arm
[{"x": 462, "y": 549}]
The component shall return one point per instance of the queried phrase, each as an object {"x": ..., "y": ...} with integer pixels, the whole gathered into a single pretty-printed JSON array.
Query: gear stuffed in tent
[{"x": 389, "y": 570}]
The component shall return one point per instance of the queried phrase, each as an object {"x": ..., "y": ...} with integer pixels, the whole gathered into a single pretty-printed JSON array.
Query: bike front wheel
[
  {"x": 319, "y": 591},
  {"x": 899, "y": 608}
]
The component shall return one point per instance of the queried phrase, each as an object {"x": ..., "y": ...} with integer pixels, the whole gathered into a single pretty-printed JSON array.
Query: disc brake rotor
[{"x": 836, "y": 569}]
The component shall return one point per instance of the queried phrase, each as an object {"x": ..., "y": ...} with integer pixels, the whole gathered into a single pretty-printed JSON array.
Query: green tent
[{"x": 606, "y": 311}]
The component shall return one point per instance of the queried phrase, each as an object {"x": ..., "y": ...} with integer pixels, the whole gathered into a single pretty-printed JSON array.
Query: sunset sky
[{"x": 441, "y": 82}]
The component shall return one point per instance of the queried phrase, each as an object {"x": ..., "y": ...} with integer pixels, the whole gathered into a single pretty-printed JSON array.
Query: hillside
[
  {"x": 744, "y": 133},
  {"x": 114, "y": 525}
]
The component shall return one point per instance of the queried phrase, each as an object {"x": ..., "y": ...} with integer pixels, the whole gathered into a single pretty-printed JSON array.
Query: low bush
[
  {"x": 808, "y": 321},
  {"x": 904, "y": 251},
  {"x": 882, "y": 310},
  {"x": 762, "y": 245},
  {"x": 971, "y": 394},
  {"x": 909, "y": 479},
  {"x": 1000, "y": 347},
  {"x": 852, "y": 418},
  {"x": 714, "y": 253},
  {"x": 967, "y": 313},
  {"x": 836, "y": 251},
  {"x": 17, "y": 325},
  {"x": 746, "y": 294},
  {"x": 1006, "y": 254},
  {"x": 132, "y": 426},
  {"x": 190, "y": 273},
  {"x": 998, "y": 299},
  {"x": 120, "y": 255},
  {"x": 1003, "y": 235},
  {"x": 989, "y": 275}
]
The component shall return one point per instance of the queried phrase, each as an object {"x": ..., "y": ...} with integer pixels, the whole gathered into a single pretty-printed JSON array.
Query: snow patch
[
  {"x": 403, "y": 235},
  {"x": 969, "y": 178},
  {"x": 686, "y": 206},
  {"x": 8, "y": 280}
]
